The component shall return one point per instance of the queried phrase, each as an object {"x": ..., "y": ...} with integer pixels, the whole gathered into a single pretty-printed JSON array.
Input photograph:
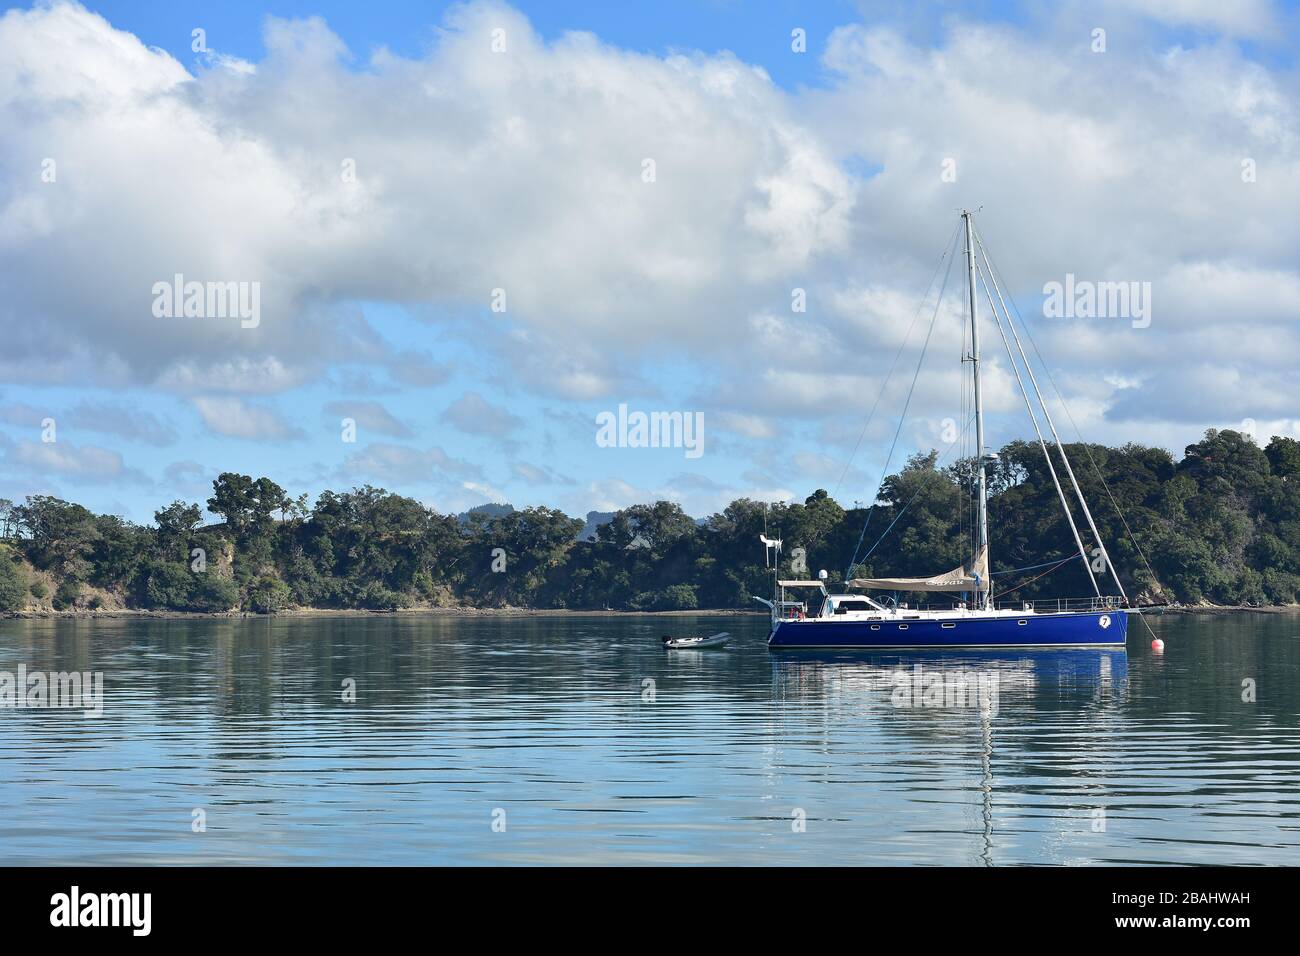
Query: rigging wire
[
  {"x": 1037, "y": 576},
  {"x": 884, "y": 534},
  {"x": 902, "y": 418},
  {"x": 1060, "y": 446},
  {"x": 997, "y": 274},
  {"x": 1033, "y": 420},
  {"x": 1034, "y": 567},
  {"x": 948, "y": 249}
]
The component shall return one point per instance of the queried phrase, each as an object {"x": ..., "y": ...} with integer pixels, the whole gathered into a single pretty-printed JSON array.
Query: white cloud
[
  {"x": 369, "y": 416},
  {"x": 475, "y": 415},
  {"x": 1242, "y": 17},
  {"x": 474, "y": 171},
  {"x": 750, "y": 426},
  {"x": 523, "y": 171},
  {"x": 401, "y": 464},
  {"x": 485, "y": 491},
  {"x": 236, "y": 418},
  {"x": 125, "y": 421},
  {"x": 244, "y": 374},
  {"x": 82, "y": 463},
  {"x": 24, "y": 415},
  {"x": 538, "y": 474}
]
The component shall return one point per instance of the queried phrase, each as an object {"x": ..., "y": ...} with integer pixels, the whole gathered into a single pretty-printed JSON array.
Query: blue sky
[{"x": 524, "y": 169}]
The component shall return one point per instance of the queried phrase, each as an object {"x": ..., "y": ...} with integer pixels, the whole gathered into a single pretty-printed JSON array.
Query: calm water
[{"x": 1082, "y": 757}]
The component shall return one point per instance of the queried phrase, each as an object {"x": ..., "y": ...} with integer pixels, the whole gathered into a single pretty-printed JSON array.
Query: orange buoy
[{"x": 1157, "y": 645}]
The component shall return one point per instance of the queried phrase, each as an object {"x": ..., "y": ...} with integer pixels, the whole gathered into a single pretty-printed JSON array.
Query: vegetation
[
  {"x": 13, "y": 584},
  {"x": 1222, "y": 525}
]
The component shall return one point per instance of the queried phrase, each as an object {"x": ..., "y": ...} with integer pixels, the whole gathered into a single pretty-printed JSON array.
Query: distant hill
[
  {"x": 594, "y": 520},
  {"x": 488, "y": 511}
]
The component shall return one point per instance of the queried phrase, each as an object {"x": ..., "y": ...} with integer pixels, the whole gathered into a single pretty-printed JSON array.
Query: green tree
[
  {"x": 176, "y": 524},
  {"x": 233, "y": 498},
  {"x": 13, "y": 584},
  {"x": 62, "y": 534},
  {"x": 1284, "y": 456}
]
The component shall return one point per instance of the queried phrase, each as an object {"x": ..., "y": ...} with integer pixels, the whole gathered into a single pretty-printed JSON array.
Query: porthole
[
  {"x": 902, "y": 627},
  {"x": 946, "y": 626},
  {"x": 875, "y": 627},
  {"x": 1022, "y": 623}
]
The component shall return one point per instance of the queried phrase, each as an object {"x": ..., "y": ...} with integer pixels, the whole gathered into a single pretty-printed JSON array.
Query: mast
[{"x": 982, "y": 541}]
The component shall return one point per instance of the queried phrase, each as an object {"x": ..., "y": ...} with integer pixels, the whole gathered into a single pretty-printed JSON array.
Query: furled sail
[{"x": 969, "y": 577}]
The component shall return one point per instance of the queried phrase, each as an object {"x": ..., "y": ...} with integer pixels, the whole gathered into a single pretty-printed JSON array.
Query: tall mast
[{"x": 982, "y": 542}]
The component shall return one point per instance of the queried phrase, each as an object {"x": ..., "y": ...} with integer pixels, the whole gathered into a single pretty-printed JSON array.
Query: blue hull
[{"x": 1076, "y": 629}]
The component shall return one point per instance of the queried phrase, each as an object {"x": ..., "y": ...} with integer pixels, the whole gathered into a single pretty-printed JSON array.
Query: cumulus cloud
[
  {"x": 475, "y": 415},
  {"x": 416, "y": 368},
  {"x": 434, "y": 182},
  {"x": 1251, "y": 18},
  {"x": 538, "y": 474},
  {"x": 77, "y": 463},
  {"x": 246, "y": 374},
  {"x": 750, "y": 426},
  {"x": 370, "y": 416},
  {"x": 399, "y": 463},
  {"x": 236, "y": 418},
  {"x": 23, "y": 414},
  {"x": 110, "y": 418},
  {"x": 473, "y": 171},
  {"x": 125, "y": 421}
]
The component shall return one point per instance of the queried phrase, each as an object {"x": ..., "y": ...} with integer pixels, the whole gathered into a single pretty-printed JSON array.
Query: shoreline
[{"x": 144, "y": 614}]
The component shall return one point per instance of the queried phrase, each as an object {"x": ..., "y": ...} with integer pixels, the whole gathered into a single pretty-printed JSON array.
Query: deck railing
[
  {"x": 1107, "y": 602},
  {"x": 793, "y": 610}
]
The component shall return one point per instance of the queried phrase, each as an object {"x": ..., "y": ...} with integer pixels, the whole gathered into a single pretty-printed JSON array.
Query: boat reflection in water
[
  {"x": 989, "y": 717},
  {"x": 846, "y": 672}
]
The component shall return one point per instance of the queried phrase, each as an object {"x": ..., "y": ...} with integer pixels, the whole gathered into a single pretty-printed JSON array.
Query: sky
[{"x": 473, "y": 229}]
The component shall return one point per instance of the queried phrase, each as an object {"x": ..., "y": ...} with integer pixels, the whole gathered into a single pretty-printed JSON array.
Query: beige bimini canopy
[{"x": 958, "y": 579}]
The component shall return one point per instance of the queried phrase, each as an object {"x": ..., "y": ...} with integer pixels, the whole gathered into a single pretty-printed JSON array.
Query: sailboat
[{"x": 857, "y": 619}]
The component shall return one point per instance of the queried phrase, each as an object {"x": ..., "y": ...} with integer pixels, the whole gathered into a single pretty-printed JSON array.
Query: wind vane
[{"x": 770, "y": 544}]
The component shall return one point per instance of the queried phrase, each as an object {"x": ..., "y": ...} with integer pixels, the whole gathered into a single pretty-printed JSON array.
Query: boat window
[
  {"x": 902, "y": 627},
  {"x": 1022, "y": 623},
  {"x": 875, "y": 627},
  {"x": 844, "y": 606},
  {"x": 950, "y": 625}
]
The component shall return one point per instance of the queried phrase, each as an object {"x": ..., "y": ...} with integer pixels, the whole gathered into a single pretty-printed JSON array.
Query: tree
[
  {"x": 233, "y": 499},
  {"x": 1222, "y": 524},
  {"x": 62, "y": 534},
  {"x": 1229, "y": 458},
  {"x": 118, "y": 550},
  {"x": 1283, "y": 455},
  {"x": 176, "y": 523},
  {"x": 13, "y": 584},
  {"x": 246, "y": 504},
  {"x": 660, "y": 525},
  {"x": 178, "y": 519},
  {"x": 268, "y": 498}
]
